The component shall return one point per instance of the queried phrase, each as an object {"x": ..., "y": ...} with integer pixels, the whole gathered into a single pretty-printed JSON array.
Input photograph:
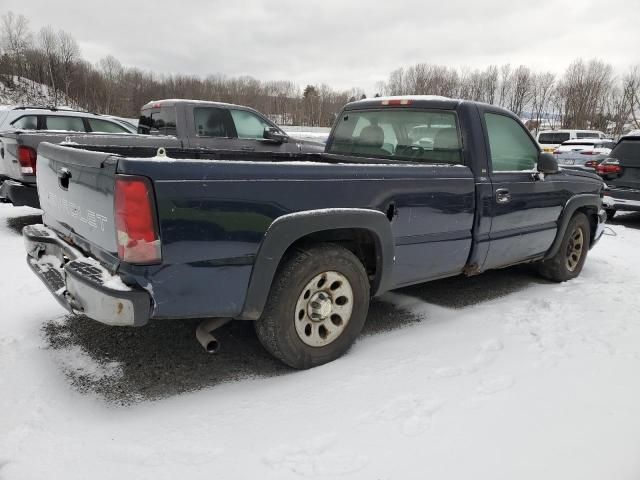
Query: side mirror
[
  {"x": 547, "y": 163},
  {"x": 275, "y": 135}
]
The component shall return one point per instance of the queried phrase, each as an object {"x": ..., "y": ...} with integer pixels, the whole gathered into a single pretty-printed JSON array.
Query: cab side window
[
  {"x": 511, "y": 149},
  {"x": 104, "y": 126},
  {"x": 65, "y": 123},
  {"x": 28, "y": 122},
  {"x": 248, "y": 125},
  {"x": 212, "y": 122}
]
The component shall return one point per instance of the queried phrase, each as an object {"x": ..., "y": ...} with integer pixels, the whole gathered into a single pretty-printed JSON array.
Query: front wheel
[
  {"x": 567, "y": 263},
  {"x": 316, "y": 308}
]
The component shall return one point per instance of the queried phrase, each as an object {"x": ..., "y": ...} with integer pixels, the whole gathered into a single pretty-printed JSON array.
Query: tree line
[{"x": 587, "y": 95}]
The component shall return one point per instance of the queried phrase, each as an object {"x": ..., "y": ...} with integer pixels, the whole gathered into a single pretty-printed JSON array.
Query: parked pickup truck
[
  {"x": 410, "y": 189},
  {"x": 166, "y": 123}
]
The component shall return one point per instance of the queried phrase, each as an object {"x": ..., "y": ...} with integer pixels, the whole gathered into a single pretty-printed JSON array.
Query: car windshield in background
[
  {"x": 399, "y": 134},
  {"x": 553, "y": 138}
]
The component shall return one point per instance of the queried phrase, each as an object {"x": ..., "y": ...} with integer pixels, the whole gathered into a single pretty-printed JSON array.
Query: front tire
[
  {"x": 567, "y": 263},
  {"x": 316, "y": 308}
]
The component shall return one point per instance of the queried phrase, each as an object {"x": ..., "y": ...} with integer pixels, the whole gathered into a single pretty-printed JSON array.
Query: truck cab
[{"x": 215, "y": 125}]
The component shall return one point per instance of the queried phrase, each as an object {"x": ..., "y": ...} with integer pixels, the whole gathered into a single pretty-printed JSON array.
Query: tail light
[
  {"x": 136, "y": 226},
  {"x": 609, "y": 166},
  {"x": 27, "y": 158}
]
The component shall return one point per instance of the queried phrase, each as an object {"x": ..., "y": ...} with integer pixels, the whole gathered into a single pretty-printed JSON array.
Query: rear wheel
[
  {"x": 567, "y": 263},
  {"x": 316, "y": 308}
]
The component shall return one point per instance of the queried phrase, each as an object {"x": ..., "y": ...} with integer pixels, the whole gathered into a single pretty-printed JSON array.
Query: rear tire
[
  {"x": 567, "y": 263},
  {"x": 316, "y": 308}
]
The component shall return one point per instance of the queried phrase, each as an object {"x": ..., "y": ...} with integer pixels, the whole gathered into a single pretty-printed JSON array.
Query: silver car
[
  {"x": 60, "y": 119},
  {"x": 583, "y": 154}
]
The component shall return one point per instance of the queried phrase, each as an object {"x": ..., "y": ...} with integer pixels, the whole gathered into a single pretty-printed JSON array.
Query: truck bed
[{"x": 213, "y": 214}]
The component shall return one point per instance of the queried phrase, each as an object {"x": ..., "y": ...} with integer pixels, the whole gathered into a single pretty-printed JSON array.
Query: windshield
[{"x": 399, "y": 134}]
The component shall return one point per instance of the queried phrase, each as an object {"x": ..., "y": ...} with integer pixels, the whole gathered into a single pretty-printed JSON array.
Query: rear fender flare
[
  {"x": 571, "y": 207},
  {"x": 287, "y": 229}
]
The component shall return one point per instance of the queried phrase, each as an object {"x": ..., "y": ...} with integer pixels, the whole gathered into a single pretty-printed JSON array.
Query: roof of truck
[{"x": 424, "y": 101}]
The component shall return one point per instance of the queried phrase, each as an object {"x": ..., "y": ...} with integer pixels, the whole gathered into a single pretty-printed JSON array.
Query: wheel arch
[
  {"x": 588, "y": 204},
  {"x": 369, "y": 230}
]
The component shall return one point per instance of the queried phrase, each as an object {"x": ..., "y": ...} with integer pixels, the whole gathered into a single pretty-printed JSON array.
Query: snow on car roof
[{"x": 585, "y": 141}]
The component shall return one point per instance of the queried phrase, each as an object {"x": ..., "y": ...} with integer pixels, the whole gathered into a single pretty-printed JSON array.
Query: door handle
[
  {"x": 503, "y": 195},
  {"x": 247, "y": 149}
]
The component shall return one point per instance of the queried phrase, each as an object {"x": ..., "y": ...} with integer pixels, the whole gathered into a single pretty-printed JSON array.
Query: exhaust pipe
[{"x": 203, "y": 334}]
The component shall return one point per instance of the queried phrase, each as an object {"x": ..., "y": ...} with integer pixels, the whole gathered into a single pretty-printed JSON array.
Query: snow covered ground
[
  {"x": 317, "y": 134},
  {"x": 502, "y": 376}
]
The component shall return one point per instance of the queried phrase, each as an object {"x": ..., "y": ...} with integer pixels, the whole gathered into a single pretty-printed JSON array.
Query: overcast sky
[{"x": 343, "y": 43}]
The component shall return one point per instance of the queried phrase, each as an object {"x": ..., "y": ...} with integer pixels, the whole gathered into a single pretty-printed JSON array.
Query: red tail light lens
[
  {"x": 136, "y": 228},
  {"x": 608, "y": 168},
  {"x": 27, "y": 158}
]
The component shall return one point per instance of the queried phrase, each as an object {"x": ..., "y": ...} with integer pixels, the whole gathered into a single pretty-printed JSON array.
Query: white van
[{"x": 549, "y": 140}]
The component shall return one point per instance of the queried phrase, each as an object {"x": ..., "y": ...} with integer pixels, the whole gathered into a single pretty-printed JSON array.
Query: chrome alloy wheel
[
  {"x": 323, "y": 309},
  {"x": 574, "y": 249}
]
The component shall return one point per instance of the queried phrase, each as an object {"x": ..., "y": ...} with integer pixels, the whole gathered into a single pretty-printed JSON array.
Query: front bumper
[
  {"x": 20, "y": 194},
  {"x": 81, "y": 284},
  {"x": 621, "y": 199}
]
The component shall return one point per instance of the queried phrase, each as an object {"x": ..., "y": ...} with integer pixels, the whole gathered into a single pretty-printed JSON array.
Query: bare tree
[
  {"x": 68, "y": 54},
  {"x": 15, "y": 39},
  {"x": 541, "y": 97},
  {"x": 48, "y": 41},
  {"x": 112, "y": 72}
]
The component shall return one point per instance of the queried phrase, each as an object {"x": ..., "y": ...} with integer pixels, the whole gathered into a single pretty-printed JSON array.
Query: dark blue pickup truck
[{"x": 409, "y": 189}]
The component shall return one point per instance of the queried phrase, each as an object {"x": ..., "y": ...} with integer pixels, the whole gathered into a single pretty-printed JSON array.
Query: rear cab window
[
  {"x": 405, "y": 134},
  {"x": 158, "y": 121}
]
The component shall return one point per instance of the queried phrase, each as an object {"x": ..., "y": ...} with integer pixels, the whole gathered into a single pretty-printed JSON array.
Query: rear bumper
[
  {"x": 20, "y": 194},
  {"x": 621, "y": 199},
  {"x": 80, "y": 284}
]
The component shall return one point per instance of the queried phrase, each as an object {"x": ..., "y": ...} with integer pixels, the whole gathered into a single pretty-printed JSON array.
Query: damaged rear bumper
[{"x": 80, "y": 284}]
